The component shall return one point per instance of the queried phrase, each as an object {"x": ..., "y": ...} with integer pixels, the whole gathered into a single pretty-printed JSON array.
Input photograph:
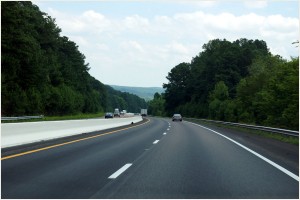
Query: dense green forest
[
  {"x": 238, "y": 81},
  {"x": 156, "y": 106},
  {"x": 45, "y": 73}
]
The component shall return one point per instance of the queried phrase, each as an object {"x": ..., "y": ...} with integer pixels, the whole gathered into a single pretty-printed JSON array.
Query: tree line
[
  {"x": 45, "y": 73},
  {"x": 239, "y": 81}
]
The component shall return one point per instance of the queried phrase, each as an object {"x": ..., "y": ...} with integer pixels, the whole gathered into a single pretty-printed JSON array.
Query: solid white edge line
[
  {"x": 294, "y": 176},
  {"x": 156, "y": 141},
  {"x": 120, "y": 171}
]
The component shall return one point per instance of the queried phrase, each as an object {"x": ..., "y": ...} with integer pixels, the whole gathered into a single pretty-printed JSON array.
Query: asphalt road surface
[{"x": 159, "y": 159}]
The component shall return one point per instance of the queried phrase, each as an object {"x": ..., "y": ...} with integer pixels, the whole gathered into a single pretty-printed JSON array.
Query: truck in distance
[
  {"x": 116, "y": 113},
  {"x": 144, "y": 112}
]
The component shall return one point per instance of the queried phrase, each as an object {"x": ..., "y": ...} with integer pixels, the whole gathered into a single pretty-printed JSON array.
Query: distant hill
[{"x": 146, "y": 93}]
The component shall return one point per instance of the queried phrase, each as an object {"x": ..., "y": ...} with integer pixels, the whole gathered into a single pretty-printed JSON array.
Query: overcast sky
[{"x": 136, "y": 43}]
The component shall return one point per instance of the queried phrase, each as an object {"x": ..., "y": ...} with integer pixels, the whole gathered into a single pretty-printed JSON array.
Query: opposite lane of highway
[{"x": 14, "y": 134}]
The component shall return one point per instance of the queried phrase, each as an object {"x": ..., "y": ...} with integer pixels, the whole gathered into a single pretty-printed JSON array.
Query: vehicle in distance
[
  {"x": 177, "y": 117},
  {"x": 117, "y": 113},
  {"x": 144, "y": 112},
  {"x": 109, "y": 115},
  {"x": 123, "y": 112}
]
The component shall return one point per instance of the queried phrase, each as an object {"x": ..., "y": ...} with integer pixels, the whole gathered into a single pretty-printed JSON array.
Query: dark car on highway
[
  {"x": 109, "y": 115},
  {"x": 177, "y": 117}
]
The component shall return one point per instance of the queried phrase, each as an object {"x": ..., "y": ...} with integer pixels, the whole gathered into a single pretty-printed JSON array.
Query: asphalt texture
[{"x": 167, "y": 160}]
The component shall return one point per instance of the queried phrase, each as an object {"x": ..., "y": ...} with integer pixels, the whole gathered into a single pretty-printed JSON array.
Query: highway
[{"x": 157, "y": 159}]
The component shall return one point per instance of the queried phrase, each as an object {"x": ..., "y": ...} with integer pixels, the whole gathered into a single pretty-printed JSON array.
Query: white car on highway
[{"x": 177, "y": 117}]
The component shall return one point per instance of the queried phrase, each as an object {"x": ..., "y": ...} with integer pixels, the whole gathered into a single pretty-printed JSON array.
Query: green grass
[
  {"x": 56, "y": 118},
  {"x": 276, "y": 136}
]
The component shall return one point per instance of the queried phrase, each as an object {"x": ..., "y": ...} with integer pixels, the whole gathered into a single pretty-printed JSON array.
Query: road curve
[{"x": 161, "y": 159}]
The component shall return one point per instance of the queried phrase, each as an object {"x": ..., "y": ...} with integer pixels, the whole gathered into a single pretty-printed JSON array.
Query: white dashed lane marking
[
  {"x": 156, "y": 141},
  {"x": 120, "y": 171}
]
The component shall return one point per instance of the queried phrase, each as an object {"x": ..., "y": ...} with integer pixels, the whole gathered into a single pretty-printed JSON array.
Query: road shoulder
[{"x": 282, "y": 153}]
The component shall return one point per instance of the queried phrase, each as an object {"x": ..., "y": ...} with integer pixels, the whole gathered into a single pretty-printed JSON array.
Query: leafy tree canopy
[
  {"x": 45, "y": 73},
  {"x": 238, "y": 81}
]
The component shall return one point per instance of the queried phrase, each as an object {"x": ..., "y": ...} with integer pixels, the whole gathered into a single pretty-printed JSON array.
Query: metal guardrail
[
  {"x": 261, "y": 128},
  {"x": 21, "y": 117}
]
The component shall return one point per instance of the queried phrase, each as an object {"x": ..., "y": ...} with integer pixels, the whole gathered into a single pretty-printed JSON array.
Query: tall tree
[
  {"x": 157, "y": 105},
  {"x": 45, "y": 73},
  {"x": 176, "y": 89}
]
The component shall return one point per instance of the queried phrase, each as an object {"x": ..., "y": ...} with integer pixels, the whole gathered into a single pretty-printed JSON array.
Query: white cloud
[
  {"x": 201, "y": 3},
  {"x": 94, "y": 21},
  {"x": 256, "y": 4},
  {"x": 282, "y": 24},
  {"x": 80, "y": 40},
  {"x": 102, "y": 47},
  {"x": 136, "y": 23},
  {"x": 164, "y": 20},
  {"x": 132, "y": 45},
  {"x": 137, "y": 44},
  {"x": 226, "y": 25},
  {"x": 66, "y": 21},
  {"x": 206, "y": 4},
  {"x": 85, "y": 22},
  {"x": 92, "y": 16},
  {"x": 178, "y": 48}
]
